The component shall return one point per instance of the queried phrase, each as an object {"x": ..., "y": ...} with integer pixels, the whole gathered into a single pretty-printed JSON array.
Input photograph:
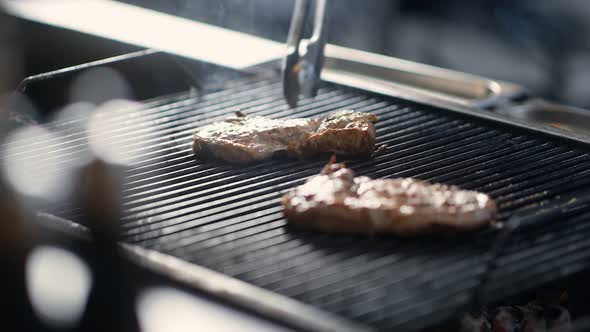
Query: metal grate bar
[{"x": 229, "y": 219}]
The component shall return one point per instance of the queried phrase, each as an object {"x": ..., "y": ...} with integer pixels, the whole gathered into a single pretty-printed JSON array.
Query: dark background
[{"x": 543, "y": 45}]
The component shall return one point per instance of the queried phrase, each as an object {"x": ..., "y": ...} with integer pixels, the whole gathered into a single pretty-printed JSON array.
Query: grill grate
[{"x": 228, "y": 218}]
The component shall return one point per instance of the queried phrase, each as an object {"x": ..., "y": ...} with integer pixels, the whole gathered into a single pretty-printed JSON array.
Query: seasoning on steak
[
  {"x": 245, "y": 139},
  {"x": 337, "y": 201}
]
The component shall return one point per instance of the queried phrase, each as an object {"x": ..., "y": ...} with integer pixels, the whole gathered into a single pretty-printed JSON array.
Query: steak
[
  {"x": 243, "y": 139},
  {"x": 337, "y": 201}
]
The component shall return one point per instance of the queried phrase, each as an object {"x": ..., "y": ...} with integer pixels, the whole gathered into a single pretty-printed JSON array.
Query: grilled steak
[
  {"x": 247, "y": 139},
  {"x": 337, "y": 201}
]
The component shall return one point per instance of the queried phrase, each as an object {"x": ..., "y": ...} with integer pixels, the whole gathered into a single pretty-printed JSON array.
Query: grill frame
[{"x": 426, "y": 122}]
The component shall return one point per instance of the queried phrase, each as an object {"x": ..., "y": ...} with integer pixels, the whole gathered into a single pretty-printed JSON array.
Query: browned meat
[
  {"x": 533, "y": 317},
  {"x": 475, "y": 323},
  {"x": 506, "y": 319},
  {"x": 337, "y": 201},
  {"x": 248, "y": 139}
]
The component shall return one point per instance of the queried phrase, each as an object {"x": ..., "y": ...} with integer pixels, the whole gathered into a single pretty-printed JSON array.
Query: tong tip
[{"x": 291, "y": 87}]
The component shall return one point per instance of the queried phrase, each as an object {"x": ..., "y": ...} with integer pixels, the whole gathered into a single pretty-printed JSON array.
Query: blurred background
[{"x": 540, "y": 44}]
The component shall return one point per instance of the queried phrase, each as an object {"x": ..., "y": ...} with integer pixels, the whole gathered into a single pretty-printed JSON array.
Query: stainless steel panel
[
  {"x": 562, "y": 117},
  {"x": 343, "y": 65}
]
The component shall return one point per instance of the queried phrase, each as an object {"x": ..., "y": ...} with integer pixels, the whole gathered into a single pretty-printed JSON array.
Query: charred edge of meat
[
  {"x": 338, "y": 225},
  {"x": 207, "y": 152},
  {"x": 342, "y": 141},
  {"x": 202, "y": 151},
  {"x": 281, "y": 155}
]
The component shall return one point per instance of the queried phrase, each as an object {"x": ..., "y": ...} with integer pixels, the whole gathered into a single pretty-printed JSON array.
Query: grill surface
[{"x": 229, "y": 219}]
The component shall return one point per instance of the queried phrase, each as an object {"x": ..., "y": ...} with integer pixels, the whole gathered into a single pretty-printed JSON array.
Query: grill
[{"x": 229, "y": 219}]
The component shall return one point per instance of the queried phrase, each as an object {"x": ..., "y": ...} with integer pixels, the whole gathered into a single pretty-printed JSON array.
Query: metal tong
[{"x": 301, "y": 73}]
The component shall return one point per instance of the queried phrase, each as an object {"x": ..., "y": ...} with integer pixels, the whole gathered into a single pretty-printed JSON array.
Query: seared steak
[
  {"x": 247, "y": 139},
  {"x": 337, "y": 201}
]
